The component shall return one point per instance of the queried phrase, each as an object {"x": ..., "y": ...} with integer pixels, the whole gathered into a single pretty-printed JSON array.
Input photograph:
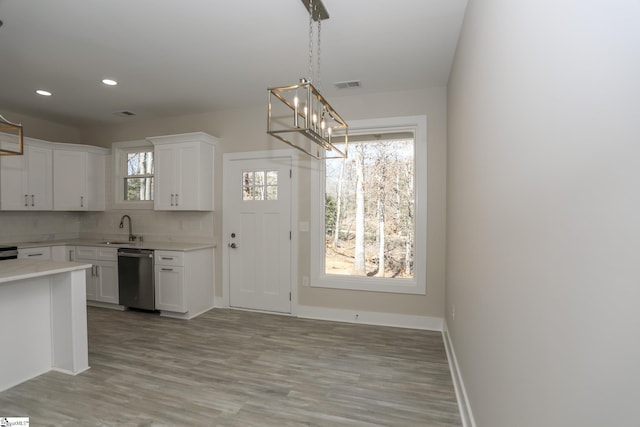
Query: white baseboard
[
  {"x": 461, "y": 393},
  {"x": 106, "y": 305},
  {"x": 370, "y": 318}
]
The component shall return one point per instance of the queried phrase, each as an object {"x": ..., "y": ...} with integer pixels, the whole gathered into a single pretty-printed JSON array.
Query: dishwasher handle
[{"x": 132, "y": 255}]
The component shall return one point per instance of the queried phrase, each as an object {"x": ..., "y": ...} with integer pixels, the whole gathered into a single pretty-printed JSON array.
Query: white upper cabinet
[
  {"x": 26, "y": 181},
  {"x": 184, "y": 166},
  {"x": 78, "y": 178}
]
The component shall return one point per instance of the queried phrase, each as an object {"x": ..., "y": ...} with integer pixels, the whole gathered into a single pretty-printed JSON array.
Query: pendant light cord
[{"x": 313, "y": 11}]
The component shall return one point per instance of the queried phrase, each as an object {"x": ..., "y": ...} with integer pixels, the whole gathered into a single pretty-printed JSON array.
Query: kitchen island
[{"x": 43, "y": 319}]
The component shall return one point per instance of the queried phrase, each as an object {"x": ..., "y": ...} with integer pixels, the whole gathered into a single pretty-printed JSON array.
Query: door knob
[{"x": 233, "y": 246}]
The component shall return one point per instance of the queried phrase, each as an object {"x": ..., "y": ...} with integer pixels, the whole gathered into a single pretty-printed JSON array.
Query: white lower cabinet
[
  {"x": 63, "y": 253},
  {"x": 184, "y": 282},
  {"x": 170, "y": 288},
  {"x": 102, "y": 277},
  {"x": 43, "y": 253}
]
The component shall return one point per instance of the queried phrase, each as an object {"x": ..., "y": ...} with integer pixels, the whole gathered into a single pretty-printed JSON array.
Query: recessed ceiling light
[
  {"x": 43, "y": 92},
  {"x": 109, "y": 82}
]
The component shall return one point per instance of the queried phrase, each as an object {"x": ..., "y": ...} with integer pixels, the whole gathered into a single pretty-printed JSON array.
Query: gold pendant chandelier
[
  {"x": 300, "y": 116},
  {"x": 11, "y": 141}
]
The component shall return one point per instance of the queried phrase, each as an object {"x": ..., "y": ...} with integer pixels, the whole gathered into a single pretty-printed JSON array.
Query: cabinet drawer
[
  {"x": 169, "y": 258},
  {"x": 35, "y": 253},
  {"x": 86, "y": 252},
  {"x": 107, "y": 254}
]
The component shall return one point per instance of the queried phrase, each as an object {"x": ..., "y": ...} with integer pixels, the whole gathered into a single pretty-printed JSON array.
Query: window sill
[
  {"x": 125, "y": 206},
  {"x": 370, "y": 284}
]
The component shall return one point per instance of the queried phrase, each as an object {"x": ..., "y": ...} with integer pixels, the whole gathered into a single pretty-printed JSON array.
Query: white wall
[
  {"x": 543, "y": 257},
  {"x": 44, "y": 129}
]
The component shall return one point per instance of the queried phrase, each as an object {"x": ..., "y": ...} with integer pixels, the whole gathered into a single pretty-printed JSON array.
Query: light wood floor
[{"x": 242, "y": 369}]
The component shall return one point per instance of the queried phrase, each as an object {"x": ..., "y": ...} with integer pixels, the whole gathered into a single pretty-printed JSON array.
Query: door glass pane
[
  {"x": 259, "y": 185},
  {"x": 272, "y": 192},
  {"x": 272, "y": 177}
]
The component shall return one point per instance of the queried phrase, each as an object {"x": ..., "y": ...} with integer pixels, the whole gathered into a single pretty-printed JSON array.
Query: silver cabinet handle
[
  {"x": 167, "y": 258},
  {"x": 172, "y": 197},
  {"x": 82, "y": 201},
  {"x": 166, "y": 269},
  {"x": 33, "y": 200},
  {"x": 36, "y": 254},
  {"x": 176, "y": 199},
  {"x": 128, "y": 255},
  {"x": 26, "y": 200}
]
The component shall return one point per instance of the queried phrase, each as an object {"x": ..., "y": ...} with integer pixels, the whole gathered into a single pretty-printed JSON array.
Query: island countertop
[{"x": 19, "y": 269}]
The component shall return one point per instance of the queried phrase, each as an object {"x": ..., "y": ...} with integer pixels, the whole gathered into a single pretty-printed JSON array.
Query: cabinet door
[
  {"x": 165, "y": 177},
  {"x": 170, "y": 288},
  {"x": 187, "y": 177},
  {"x": 69, "y": 180},
  {"x": 91, "y": 279},
  {"x": 62, "y": 253},
  {"x": 14, "y": 186},
  {"x": 40, "y": 174},
  {"x": 108, "y": 282}
]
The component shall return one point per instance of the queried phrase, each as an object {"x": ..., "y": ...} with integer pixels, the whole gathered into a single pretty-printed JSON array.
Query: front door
[{"x": 258, "y": 224}]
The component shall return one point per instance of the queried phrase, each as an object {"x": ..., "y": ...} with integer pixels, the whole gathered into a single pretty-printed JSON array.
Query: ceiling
[{"x": 181, "y": 57}]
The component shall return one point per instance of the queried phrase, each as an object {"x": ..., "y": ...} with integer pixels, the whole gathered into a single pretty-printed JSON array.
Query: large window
[{"x": 370, "y": 228}]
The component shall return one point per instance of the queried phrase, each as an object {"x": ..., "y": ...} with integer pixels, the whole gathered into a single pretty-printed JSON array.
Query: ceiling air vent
[
  {"x": 351, "y": 84},
  {"x": 124, "y": 113}
]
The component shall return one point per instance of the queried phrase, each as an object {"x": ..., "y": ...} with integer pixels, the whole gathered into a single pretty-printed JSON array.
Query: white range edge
[{"x": 43, "y": 319}]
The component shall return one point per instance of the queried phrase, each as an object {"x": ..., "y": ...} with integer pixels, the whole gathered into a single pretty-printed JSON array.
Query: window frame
[
  {"x": 416, "y": 285},
  {"x": 120, "y": 152}
]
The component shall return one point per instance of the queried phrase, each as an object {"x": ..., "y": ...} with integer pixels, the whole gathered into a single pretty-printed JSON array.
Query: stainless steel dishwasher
[{"x": 135, "y": 278}]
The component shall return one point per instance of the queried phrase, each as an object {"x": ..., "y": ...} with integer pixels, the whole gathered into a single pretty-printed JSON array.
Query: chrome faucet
[{"x": 132, "y": 238}]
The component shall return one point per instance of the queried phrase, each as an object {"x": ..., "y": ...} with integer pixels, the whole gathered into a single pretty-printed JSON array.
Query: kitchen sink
[{"x": 113, "y": 242}]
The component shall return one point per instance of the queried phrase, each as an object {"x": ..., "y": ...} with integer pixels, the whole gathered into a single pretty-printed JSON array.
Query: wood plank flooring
[{"x": 233, "y": 368}]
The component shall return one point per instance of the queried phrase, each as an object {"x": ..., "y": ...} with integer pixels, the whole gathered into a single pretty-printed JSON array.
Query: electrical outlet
[{"x": 305, "y": 280}]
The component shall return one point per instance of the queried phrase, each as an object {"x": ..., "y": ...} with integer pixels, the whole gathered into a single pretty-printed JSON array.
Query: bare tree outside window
[
  {"x": 370, "y": 210},
  {"x": 138, "y": 181}
]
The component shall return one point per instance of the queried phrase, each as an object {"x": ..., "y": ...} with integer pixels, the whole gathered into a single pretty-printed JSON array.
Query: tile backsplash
[
  {"x": 196, "y": 227},
  {"x": 21, "y": 227}
]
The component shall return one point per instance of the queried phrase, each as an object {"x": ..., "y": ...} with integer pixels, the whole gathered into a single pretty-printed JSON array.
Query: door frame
[{"x": 295, "y": 175}]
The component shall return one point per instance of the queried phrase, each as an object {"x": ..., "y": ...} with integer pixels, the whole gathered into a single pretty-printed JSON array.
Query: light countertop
[
  {"x": 158, "y": 246},
  {"x": 19, "y": 269}
]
